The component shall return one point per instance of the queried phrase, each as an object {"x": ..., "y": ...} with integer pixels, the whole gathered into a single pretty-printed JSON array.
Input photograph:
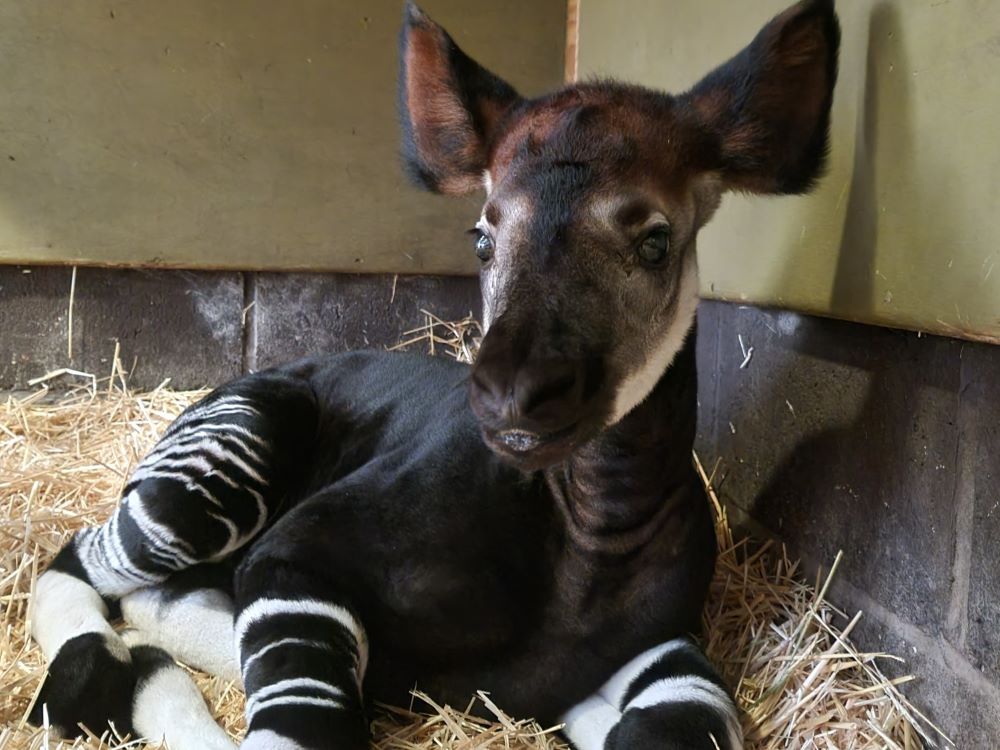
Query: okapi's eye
[
  {"x": 484, "y": 244},
  {"x": 654, "y": 246}
]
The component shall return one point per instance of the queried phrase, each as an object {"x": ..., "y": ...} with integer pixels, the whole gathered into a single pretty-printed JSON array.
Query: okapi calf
[{"x": 532, "y": 525}]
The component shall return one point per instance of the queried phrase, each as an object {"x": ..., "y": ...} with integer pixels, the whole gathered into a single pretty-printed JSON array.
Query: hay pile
[{"x": 784, "y": 648}]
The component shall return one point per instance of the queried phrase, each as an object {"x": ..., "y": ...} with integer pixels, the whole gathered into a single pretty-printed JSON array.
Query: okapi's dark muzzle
[{"x": 532, "y": 407}]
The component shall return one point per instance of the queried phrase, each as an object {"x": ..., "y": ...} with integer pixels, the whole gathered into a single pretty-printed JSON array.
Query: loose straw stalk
[{"x": 783, "y": 648}]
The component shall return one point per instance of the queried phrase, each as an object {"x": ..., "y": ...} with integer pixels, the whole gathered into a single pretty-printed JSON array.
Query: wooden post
[{"x": 572, "y": 38}]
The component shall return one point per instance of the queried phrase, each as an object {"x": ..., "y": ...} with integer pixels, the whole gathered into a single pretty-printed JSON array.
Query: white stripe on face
[
  {"x": 637, "y": 385},
  {"x": 495, "y": 277}
]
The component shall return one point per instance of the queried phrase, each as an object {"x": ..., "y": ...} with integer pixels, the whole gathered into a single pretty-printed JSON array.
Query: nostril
[
  {"x": 490, "y": 394},
  {"x": 479, "y": 381},
  {"x": 534, "y": 396},
  {"x": 488, "y": 384}
]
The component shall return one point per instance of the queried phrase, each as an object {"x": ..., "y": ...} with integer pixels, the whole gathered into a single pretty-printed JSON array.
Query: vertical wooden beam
[{"x": 572, "y": 38}]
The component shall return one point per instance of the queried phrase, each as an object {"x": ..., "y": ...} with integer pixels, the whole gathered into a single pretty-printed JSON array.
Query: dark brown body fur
[{"x": 533, "y": 586}]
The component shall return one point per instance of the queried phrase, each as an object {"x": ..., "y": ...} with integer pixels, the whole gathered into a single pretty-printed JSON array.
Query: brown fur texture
[{"x": 577, "y": 180}]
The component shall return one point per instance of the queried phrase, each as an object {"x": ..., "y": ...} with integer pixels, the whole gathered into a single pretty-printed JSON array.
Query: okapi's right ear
[
  {"x": 449, "y": 107},
  {"x": 767, "y": 111}
]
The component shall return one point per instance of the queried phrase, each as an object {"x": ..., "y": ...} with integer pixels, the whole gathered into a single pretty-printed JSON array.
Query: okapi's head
[{"x": 594, "y": 198}]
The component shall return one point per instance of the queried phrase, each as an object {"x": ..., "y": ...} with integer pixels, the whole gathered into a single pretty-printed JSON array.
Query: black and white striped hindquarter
[
  {"x": 208, "y": 487},
  {"x": 667, "y": 698},
  {"x": 303, "y": 656}
]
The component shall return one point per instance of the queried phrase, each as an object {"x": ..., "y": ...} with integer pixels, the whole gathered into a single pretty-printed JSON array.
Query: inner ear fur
[
  {"x": 449, "y": 107},
  {"x": 766, "y": 111}
]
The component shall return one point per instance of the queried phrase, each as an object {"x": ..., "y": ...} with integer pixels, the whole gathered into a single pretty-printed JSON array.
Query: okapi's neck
[{"x": 615, "y": 490}]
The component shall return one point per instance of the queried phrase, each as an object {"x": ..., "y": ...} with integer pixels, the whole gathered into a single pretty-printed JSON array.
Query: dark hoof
[{"x": 88, "y": 683}]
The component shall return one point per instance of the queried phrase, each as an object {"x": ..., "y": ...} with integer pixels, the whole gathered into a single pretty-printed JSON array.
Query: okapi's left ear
[
  {"x": 449, "y": 107},
  {"x": 767, "y": 110}
]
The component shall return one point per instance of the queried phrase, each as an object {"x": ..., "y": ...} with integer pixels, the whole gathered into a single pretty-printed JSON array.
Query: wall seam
[
  {"x": 249, "y": 323},
  {"x": 956, "y": 623},
  {"x": 716, "y": 417}
]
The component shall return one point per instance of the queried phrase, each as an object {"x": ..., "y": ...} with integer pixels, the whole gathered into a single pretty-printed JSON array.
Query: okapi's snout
[{"x": 533, "y": 403}]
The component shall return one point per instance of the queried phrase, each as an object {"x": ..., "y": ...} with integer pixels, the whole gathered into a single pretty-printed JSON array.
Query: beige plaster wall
[
  {"x": 905, "y": 229},
  {"x": 250, "y": 134}
]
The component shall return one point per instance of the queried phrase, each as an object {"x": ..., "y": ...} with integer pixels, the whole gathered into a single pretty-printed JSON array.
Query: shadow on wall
[
  {"x": 839, "y": 442},
  {"x": 850, "y": 437}
]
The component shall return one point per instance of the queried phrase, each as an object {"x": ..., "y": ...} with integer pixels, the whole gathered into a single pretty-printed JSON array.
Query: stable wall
[
  {"x": 239, "y": 134},
  {"x": 902, "y": 232},
  {"x": 885, "y": 445}
]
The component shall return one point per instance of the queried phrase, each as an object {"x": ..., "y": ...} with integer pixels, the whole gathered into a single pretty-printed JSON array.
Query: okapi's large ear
[
  {"x": 449, "y": 107},
  {"x": 767, "y": 110}
]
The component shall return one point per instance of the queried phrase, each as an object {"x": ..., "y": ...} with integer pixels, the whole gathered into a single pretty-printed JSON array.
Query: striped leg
[
  {"x": 303, "y": 655},
  {"x": 208, "y": 487},
  {"x": 668, "y": 698}
]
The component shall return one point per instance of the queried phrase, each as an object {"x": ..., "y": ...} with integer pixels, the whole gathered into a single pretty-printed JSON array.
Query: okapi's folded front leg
[
  {"x": 303, "y": 655},
  {"x": 668, "y": 698}
]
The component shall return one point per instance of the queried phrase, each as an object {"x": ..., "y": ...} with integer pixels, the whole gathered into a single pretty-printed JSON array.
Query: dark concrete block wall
[
  {"x": 835, "y": 436},
  {"x": 201, "y": 328},
  {"x": 295, "y": 312},
  {"x": 886, "y": 445},
  {"x": 169, "y": 323}
]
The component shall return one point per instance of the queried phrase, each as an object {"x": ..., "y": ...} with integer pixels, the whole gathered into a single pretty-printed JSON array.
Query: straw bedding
[{"x": 785, "y": 650}]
